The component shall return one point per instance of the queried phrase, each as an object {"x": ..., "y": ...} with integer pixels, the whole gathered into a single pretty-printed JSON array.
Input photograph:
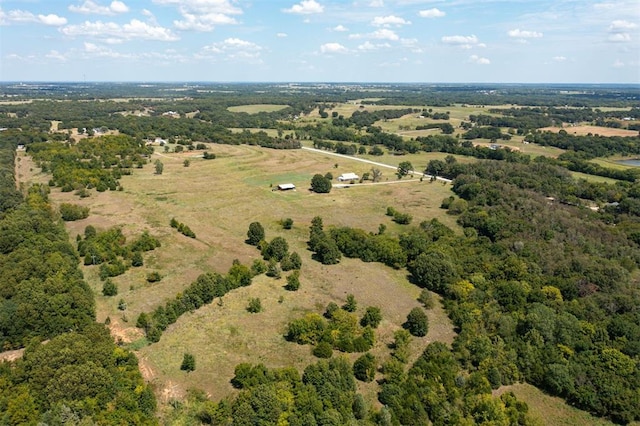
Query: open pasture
[
  {"x": 594, "y": 130},
  {"x": 257, "y": 108},
  {"x": 218, "y": 199}
]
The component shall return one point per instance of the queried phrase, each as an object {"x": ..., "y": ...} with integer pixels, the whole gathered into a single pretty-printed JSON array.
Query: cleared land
[
  {"x": 254, "y": 109},
  {"x": 218, "y": 199},
  {"x": 551, "y": 410},
  {"x": 594, "y": 130}
]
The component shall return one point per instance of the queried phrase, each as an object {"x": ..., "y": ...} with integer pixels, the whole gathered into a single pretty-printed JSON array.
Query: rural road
[{"x": 375, "y": 163}]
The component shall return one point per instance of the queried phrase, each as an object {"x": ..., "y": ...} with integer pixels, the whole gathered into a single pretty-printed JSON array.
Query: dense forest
[{"x": 540, "y": 280}]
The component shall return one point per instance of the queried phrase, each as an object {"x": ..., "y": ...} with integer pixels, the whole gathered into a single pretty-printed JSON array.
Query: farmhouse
[
  {"x": 348, "y": 176},
  {"x": 286, "y": 186}
]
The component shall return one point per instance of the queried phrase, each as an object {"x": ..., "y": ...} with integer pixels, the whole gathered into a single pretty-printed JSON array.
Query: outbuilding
[
  {"x": 348, "y": 177},
  {"x": 286, "y": 187}
]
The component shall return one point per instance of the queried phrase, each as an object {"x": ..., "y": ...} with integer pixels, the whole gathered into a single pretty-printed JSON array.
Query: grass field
[
  {"x": 551, "y": 410},
  {"x": 254, "y": 109},
  {"x": 218, "y": 199}
]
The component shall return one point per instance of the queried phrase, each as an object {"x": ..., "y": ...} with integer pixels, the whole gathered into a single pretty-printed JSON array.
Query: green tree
[
  {"x": 320, "y": 184},
  {"x": 188, "y": 363},
  {"x": 417, "y": 322},
  {"x": 371, "y": 317},
  {"x": 186, "y": 162},
  {"x": 136, "y": 259},
  {"x": 159, "y": 167},
  {"x": 364, "y": 368},
  {"x": 350, "y": 305},
  {"x": 323, "y": 350},
  {"x": 277, "y": 249},
  {"x": 109, "y": 288},
  {"x": 255, "y": 234},
  {"x": 293, "y": 281},
  {"x": 287, "y": 223},
  {"x": 404, "y": 168},
  {"x": 255, "y": 305}
]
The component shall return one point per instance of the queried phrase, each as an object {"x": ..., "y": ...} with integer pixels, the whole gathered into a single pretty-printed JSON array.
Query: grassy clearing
[
  {"x": 614, "y": 162},
  {"x": 551, "y": 410},
  {"x": 218, "y": 199},
  {"x": 594, "y": 178},
  {"x": 255, "y": 109}
]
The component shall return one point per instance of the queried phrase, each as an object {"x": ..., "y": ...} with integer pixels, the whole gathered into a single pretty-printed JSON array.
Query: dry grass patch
[
  {"x": 551, "y": 410},
  {"x": 254, "y": 109},
  {"x": 594, "y": 130}
]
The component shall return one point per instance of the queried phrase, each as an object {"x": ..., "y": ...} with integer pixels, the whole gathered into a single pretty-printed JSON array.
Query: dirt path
[{"x": 375, "y": 163}]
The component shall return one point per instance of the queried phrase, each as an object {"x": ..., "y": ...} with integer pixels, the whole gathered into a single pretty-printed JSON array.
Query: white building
[{"x": 348, "y": 177}]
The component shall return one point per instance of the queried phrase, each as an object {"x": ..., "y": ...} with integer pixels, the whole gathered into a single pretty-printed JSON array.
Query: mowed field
[{"x": 218, "y": 199}]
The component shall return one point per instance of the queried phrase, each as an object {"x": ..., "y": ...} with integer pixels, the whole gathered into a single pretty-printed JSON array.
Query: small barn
[
  {"x": 348, "y": 177},
  {"x": 286, "y": 187}
]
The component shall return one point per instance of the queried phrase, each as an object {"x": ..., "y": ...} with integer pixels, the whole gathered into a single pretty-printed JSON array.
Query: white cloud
[
  {"x": 53, "y": 20},
  {"x": 206, "y": 22},
  {"x": 233, "y": 49},
  {"x": 333, "y": 48},
  {"x": 475, "y": 59},
  {"x": 381, "y": 34},
  {"x": 90, "y": 7},
  {"x": 54, "y": 54},
  {"x": 367, "y": 46},
  {"x": 620, "y": 38},
  {"x": 203, "y": 6},
  {"x": 618, "y": 64},
  {"x": 518, "y": 33},
  {"x": 376, "y": 3},
  {"x": 431, "y": 13},
  {"x": 203, "y": 15},
  {"x": 387, "y": 21},
  {"x": 24, "y": 16},
  {"x": 621, "y": 25},
  {"x": 340, "y": 28},
  {"x": 282, "y": 35},
  {"x": 466, "y": 42},
  {"x": 305, "y": 7},
  {"x": 135, "y": 29},
  {"x": 559, "y": 58}
]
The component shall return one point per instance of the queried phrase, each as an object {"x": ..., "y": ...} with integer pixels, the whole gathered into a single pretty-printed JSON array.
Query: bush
[
  {"x": 426, "y": 298},
  {"x": 323, "y": 350},
  {"x": 293, "y": 281},
  {"x": 417, "y": 322},
  {"x": 255, "y": 305},
  {"x": 258, "y": 267},
  {"x": 109, "y": 288},
  {"x": 351, "y": 304},
  {"x": 136, "y": 259},
  {"x": 372, "y": 317},
  {"x": 188, "y": 363},
  {"x": 255, "y": 234},
  {"x": 153, "y": 277},
  {"x": 364, "y": 368},
  {"x": 71, "y": 212},
  {"x": 320, "y": 184},
  {"x": 287, "y": 223}
]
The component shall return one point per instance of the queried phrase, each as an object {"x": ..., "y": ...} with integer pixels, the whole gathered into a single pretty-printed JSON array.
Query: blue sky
[{"x": 438, "y": 41}]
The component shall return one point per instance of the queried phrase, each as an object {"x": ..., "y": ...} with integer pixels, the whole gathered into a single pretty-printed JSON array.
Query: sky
[{"x": 412, "y": 41}]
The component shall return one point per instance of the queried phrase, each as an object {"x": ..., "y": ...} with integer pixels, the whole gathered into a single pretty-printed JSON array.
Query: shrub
[
  {"x": 293, "y": 281},
  {"x": 255, "y": 234},
  {"x": 364, "y": 368},
  {"x": 109, "y": 288},
  {"x": 71, "y": 212},
  {"x": 417, "y": 322},
  {"x": 153, "y": 277},
  {"x": 323, "y": 350},
  {"x": 351, "y": 304},
  {"x": 255, "y": 305},
  {"x": 287, "y": 223},
  {"x": 372, "y": 317},
  {"x": 188, "y": 363}
]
